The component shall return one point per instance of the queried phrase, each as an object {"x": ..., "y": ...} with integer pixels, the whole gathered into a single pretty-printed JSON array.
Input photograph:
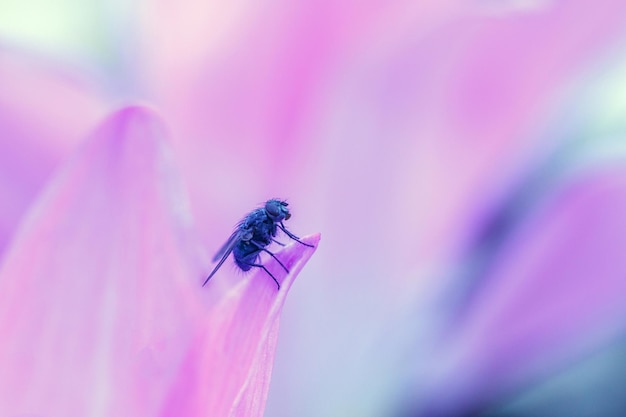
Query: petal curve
[{"x": 95, "y": 291}]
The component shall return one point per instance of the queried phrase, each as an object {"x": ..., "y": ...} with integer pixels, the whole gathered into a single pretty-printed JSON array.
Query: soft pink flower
[
  {"x": 101, "y": 308},
  {"x": 402, "y": 130}
]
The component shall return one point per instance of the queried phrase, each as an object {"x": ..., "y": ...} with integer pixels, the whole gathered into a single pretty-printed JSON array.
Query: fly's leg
[
  {"x": 280, "y": 243},
  {"x": 258, "y": 245},
  {"x": 291, "y": 235},
  {"x": 266, "y": 270}
]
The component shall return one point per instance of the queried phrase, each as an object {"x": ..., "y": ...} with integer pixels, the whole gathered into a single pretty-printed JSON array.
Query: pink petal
[
  {"x": 245, "y": 322},
  {"x": 101, "y": 306},
  {"x": 44, "y": 112},
  {"x": 555, "y": 294}
]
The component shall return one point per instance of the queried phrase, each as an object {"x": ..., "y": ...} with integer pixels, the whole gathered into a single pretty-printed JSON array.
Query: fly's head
[{"x": 277, "y": 210}]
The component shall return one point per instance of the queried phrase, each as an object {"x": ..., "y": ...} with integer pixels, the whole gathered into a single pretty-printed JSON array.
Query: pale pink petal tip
[
  {"x": 229, "y": 367},
  {"x": 251, "y": 397},
  {"x": 294, "y": 257}
]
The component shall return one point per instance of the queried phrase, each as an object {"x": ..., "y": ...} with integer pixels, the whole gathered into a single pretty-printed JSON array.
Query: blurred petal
[
  {"x": 44, "y": 112},
  {"x": 555, "y": 293},
  {"x": 101, "y": 308},
  {"x": 450, "y": 116},
  {"x": 419, "y": 139},
  {"x": 245, "y": 85},
  {"x": 93, "y": 289}
]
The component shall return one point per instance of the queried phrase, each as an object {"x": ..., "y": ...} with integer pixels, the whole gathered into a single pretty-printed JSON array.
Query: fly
[{"x": 253, "y": 234}]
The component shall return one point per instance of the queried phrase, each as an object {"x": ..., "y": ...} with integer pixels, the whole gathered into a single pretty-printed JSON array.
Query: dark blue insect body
[{"x": 251, "y": 236}]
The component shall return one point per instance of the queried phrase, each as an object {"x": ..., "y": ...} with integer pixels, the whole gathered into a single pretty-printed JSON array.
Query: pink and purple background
[{"x": 464, "y": 161}]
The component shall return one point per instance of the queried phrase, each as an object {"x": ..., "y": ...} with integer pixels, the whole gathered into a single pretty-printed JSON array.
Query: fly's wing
[
  {"x": 224, "y": 257},
  {"x": 224, "y": 252},
  {"x": 228, "y": 246}
]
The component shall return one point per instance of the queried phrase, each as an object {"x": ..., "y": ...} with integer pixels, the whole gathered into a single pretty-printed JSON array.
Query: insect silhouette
[{"x": 253, "y": 234}]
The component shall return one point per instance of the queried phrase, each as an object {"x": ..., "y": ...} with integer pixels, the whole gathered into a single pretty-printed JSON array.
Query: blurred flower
[
  {"x": 431, "y": 143},
  {"x": 101, "y": 310}
]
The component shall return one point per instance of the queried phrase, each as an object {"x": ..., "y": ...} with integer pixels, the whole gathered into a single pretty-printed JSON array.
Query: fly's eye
[
  {"x": 287, "y": 216},
  {"x": 272, "y": 209}
]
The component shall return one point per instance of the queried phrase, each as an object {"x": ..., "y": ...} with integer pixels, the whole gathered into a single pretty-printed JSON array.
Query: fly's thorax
[{"x": 247, "y": 235}]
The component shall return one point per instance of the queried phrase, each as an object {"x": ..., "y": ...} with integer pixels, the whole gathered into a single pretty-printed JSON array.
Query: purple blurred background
[{"x": 464, "y": 161}]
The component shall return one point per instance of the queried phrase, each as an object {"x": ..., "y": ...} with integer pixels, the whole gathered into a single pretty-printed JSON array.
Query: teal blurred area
[{"x": 592, "y": 386}]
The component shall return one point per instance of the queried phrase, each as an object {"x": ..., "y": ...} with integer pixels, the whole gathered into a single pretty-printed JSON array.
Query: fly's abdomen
[
  {"x": 246, "y": 255},
  {"x": 244, "y": 267}
]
